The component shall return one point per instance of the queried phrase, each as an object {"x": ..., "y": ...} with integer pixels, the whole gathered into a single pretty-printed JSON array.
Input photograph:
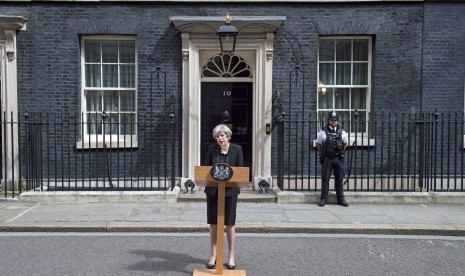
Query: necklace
[{"x": 224, "y": 152}]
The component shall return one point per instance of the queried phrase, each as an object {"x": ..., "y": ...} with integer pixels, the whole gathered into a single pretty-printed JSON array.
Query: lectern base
[{"x": 209, "y": 272}]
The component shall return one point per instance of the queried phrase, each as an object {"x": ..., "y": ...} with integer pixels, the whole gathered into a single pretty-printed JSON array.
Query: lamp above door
[
  {"x": 222, "y": 28},
  {"x": 227, "y": 35}
]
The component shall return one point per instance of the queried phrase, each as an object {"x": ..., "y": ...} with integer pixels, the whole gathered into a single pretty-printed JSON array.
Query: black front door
[{"x": 228, "y": 103}]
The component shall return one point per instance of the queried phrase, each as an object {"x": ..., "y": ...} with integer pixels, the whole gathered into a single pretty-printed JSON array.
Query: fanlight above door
[{"x": 226, "y": 66}]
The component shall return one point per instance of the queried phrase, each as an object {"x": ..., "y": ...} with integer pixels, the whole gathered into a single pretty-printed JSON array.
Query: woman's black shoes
[{"x": 212, "y": 266}]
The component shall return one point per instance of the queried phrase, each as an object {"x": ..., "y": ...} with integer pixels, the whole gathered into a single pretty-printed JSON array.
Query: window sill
[
  {"x": 121, "y": 144},
  {"x": 360, "y": 142}
]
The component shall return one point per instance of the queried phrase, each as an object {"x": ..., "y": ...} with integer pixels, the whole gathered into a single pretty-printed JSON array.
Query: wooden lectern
[{"x": 202, "y": 177}]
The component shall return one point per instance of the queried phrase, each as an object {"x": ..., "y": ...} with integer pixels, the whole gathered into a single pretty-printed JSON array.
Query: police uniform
[{"x": 332, "y": 143}]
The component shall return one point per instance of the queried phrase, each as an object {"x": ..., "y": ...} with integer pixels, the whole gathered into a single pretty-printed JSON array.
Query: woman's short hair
[{"x": 222, "y": 128}]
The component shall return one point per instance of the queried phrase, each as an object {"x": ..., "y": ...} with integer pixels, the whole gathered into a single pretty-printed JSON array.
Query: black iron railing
[
  {"x": 396, "y": 152},
  {"x": 61, "y": 152}
]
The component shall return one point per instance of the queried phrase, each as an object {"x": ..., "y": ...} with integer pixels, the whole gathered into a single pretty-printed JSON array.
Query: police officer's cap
[{"x": 333, "y": 116}]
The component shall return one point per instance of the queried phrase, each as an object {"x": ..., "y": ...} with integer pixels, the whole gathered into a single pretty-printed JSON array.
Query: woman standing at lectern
[{"x": 223, "y": 152}]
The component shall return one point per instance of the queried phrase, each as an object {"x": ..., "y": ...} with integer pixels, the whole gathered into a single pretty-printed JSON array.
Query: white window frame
[
  {"x": 362, "y": 138},
  {"x": 91, "y": 141},
  {"x": 463, "y": 143}
]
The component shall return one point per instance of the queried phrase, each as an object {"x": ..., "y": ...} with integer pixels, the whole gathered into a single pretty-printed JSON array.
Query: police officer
[{"x": 331, "y": 144}]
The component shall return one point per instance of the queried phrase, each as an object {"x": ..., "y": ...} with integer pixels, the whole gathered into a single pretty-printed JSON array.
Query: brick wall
[
  {"x": 418, "y": 50},
  {"x": 49, "y": 57},
  {"x": 444, "y": 57}
]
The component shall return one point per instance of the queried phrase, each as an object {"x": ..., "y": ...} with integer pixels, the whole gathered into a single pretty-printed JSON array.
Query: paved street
[
  {"x": 179, "y": 254},
  {"x": 171, "y": 238}
]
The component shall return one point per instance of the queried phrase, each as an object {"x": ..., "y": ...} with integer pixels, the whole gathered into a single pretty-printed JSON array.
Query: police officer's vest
[{"x": 333, "y": 145}]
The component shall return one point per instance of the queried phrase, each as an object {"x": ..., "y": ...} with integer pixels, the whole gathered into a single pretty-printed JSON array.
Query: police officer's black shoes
[
  {"x": 343, "y": 203},
  {"x": 322, "y": 202}
]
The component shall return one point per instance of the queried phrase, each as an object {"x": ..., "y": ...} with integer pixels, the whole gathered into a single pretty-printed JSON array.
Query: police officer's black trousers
[{"x": 335, "y": 165}]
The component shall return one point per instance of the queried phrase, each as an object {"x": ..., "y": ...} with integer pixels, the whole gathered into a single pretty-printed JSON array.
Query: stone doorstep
[
  {"x": 140, "y": 196},
  {"x": 244, "y": 196},
  {"x": 101, "y": 196},
  {"x": 274, "y": 196},
  {"x": 376, "y": 197}
]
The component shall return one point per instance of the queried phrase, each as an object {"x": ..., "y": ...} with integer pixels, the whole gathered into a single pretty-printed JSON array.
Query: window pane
[
  {"x": 322, "y": 117},
  {"x": 127, "y": 76},
  {"x": 325, "y": 100},
  {"x": 344, "y": 117},
  {"x": 110, "y": 101},
  {"x": 93, "y": 100},
  {"x": 343, "y": 73},
  {"x": 244, "y": 73},
  {"x": 227, "y": 61},
  {"x": 128, "y": 126},
  {"x": 110, "y": 75},
  {"x": 128, "y": 101},
  {"x": 207, "y": 73},
  {"x": 360, "y": 50},
  {"x": 94, "y": 125},
  {"x": 93, "y": 75},
  {"x": 217, "y": 60},
  {"x": 343, "y": 50},
  {"x": 358, "y": 122},
  {"x": 360, "y": 74},
  {"x": 110, "y": 51},
  {"x": 326, "y": 50},
  {"x": 111, "y": 124},
  {"x": 92, "y": 51},
  {"x": 127, "y": 52},
  {"x": 358, "y": 98},
  {"x": 341, "y": 98},
  {"x": 327, "y": 73}
]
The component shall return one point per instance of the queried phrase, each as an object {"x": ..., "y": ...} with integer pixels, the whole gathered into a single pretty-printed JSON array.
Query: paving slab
[{"x": 263, "y": 217}]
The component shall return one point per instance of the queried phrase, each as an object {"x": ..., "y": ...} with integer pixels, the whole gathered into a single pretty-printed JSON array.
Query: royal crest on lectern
[{"x": 221, "y": 172}]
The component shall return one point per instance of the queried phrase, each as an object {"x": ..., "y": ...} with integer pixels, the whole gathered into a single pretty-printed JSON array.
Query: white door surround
[
  {"x": 9, "y": 25},
  {"x": 198, "y": 45}
]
